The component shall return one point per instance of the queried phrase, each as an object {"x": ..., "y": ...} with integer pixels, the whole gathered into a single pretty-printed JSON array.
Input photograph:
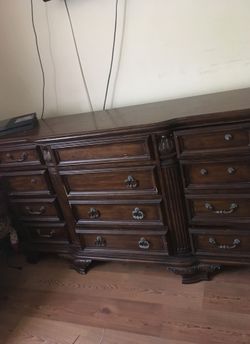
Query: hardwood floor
[{"x": 120, "y": 303}]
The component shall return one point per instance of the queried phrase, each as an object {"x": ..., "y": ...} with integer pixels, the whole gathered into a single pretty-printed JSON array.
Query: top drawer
[
  {"x": 211, "y": 140},
  {"x": 19, "y": 156},
  {"x": 122, "y": 149}
]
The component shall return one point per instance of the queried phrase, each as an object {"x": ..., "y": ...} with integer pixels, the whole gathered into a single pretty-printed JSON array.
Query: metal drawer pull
[
  {"x": 35, "y": 212},
  {"x": 137, "y": 214},
  {"x": 50, "y": 235},
  {"x": 231, "y": 170},
  {"x": 94, "y": 213},
  {"x": 100, "y": 241},
  {"x": 228, "y": 137},
  {"x": 131, "y": 182},
  {"x": 213, "y": 242},
  {"x": 144, "y": 244},
  {"x": 231, "y": 209},
  {"x": 33, "y": 180},
  {"x": 23, "y": 158},
  {"x": 204, "y": 172}
]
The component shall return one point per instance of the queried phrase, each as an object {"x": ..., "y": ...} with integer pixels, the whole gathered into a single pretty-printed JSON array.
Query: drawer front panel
[
  {"x": 226, "y": 244},
  {"x": 141, "y": 214},
  {"x": 49, "y": 233},
  {"x": 27, "y": 183},
  {"x": 36, "y": 210},
  {"x": 103, "y": 152},
  {"x": 217, "y": 173},
  {"x": 219, "y": 209},
  {"x": 19, "y": 156},
  {"x": 124, "y": 242},
  {"x": 195, "y": 142},
  {"x": 125, "y": 181}
]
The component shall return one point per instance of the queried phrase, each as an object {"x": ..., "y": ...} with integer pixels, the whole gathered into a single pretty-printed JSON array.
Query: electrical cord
[
  {"x": 112, "y": 55},
  {"x": 78, "y": 56},
  {"x": 39, "y": 57}
]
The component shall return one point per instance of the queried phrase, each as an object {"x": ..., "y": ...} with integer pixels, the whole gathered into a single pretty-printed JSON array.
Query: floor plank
[{"x": 121, "y": 303}]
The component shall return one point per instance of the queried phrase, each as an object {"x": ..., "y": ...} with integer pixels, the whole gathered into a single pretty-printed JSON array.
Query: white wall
[{"x": 171, "y": 48}]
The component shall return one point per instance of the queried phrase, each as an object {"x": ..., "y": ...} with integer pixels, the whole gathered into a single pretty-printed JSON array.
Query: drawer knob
[
  {"x": 33, "y": 180},
  {"x": 204, "y": 172},
  {"x": 231, "y": 170},
  {"x": 214, "y": 243},
  {"x": 30, "y": 211},
  {"x": 50, "y": 235},
  {"x": 228, "y": 137},
  {"x": 137, "y": 214},
  {"x": 94, "y": 213},
  {"x": 100, "y": 241},
  {"x": 24, "y": 157},
  {"x": 131, "y": 182},
  {"x": 144, "y": 244},
  {"x": 232, "y": 208}
]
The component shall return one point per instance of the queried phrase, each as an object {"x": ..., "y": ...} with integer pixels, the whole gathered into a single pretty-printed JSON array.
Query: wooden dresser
[{"x": 167, "y": 182}]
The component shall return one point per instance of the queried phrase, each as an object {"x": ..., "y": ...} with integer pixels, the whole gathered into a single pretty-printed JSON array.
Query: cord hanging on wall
[{"x": 39, "y": 57}]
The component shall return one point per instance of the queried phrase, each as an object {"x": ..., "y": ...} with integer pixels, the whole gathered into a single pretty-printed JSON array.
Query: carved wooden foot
[
  {"x": 195, "y": 273},
  {"x": 81, "y": 265},
  {"x": 32, "y": 257}
]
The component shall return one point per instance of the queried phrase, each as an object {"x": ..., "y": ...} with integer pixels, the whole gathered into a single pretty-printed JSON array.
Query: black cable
[
  {"x": 78, "y": 55},
  {"x": 39, "y": 57},
  {"x": 112, "y": 55}
]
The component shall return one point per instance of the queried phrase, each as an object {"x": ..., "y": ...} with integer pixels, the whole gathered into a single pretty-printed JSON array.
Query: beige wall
[{"x": 171, "y": 48}]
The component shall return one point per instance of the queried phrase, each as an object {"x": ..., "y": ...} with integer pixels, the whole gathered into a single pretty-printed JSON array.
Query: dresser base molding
[{"x": 196, "y": 273}]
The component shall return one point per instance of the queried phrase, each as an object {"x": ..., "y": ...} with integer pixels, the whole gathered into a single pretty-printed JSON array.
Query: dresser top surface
[{"x": 198, "y": 110}]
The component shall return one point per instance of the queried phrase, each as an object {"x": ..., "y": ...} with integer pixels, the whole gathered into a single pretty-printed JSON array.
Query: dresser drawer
[
  {"x": 27, "y": 183},
  {"x": 202, "y": 141},
  {"x": 120, "y": 212},
  {"x": 221, "y": 243},
  {"x": 36, "y": 209},
  {"x": 121, "y": 149},
  {"x": 19, "y": 156},
  {"x": 143, "y": 243},
  {"x": 221, "y": 175},
  {"x": 219, "y": 209},
  {"x": 136, "y": 180},
  {"x": 44, "y": 232}
]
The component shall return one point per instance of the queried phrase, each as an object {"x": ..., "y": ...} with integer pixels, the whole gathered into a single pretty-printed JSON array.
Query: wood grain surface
[{"x": 120, "y": 303}]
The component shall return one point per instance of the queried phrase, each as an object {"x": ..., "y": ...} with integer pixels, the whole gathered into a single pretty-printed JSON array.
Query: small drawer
[
  {"x": 219, "y": 209},
  {"x": 210, "y": 140},
  {"x": 137, "y": 180},
  {"x": 143, "y": 243},
  {"x": 36, "y": 209},
  {"x": 217, "y": 174},
  {"x": 19, "y": 156},
  {"x": 44, "y": 232},
  {"x": 221, "y": 242},
  {"x": 120, "y": 212},
  {"x": 121, "y": 149},
  {"x": 27, "y": 183}
]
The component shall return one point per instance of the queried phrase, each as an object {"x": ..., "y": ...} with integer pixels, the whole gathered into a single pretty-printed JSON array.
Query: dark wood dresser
[{"x": 167, "y": 182}]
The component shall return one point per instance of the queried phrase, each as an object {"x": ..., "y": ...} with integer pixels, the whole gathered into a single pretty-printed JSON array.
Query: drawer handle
[
  {"x": 137, "y": 214},
  {"x": 144, "y": 244},
  {"x": 131, "y": 182},
  {"x": 231, "y": 209},
  {"x": 35, "y": 212},
  {"x": 50, "y": 235},
  {"x": 204, "y": 172},
  {"x": 231, "y": 170},
  {"x": 228, "y": 137},
  {"x": 100, "y": 241},
  {"x": 24, "y": 157},
  {"x": 33, "y": 180},
  {"x": 213, "y": 242},
  {"x": 94, "y": 213}
]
